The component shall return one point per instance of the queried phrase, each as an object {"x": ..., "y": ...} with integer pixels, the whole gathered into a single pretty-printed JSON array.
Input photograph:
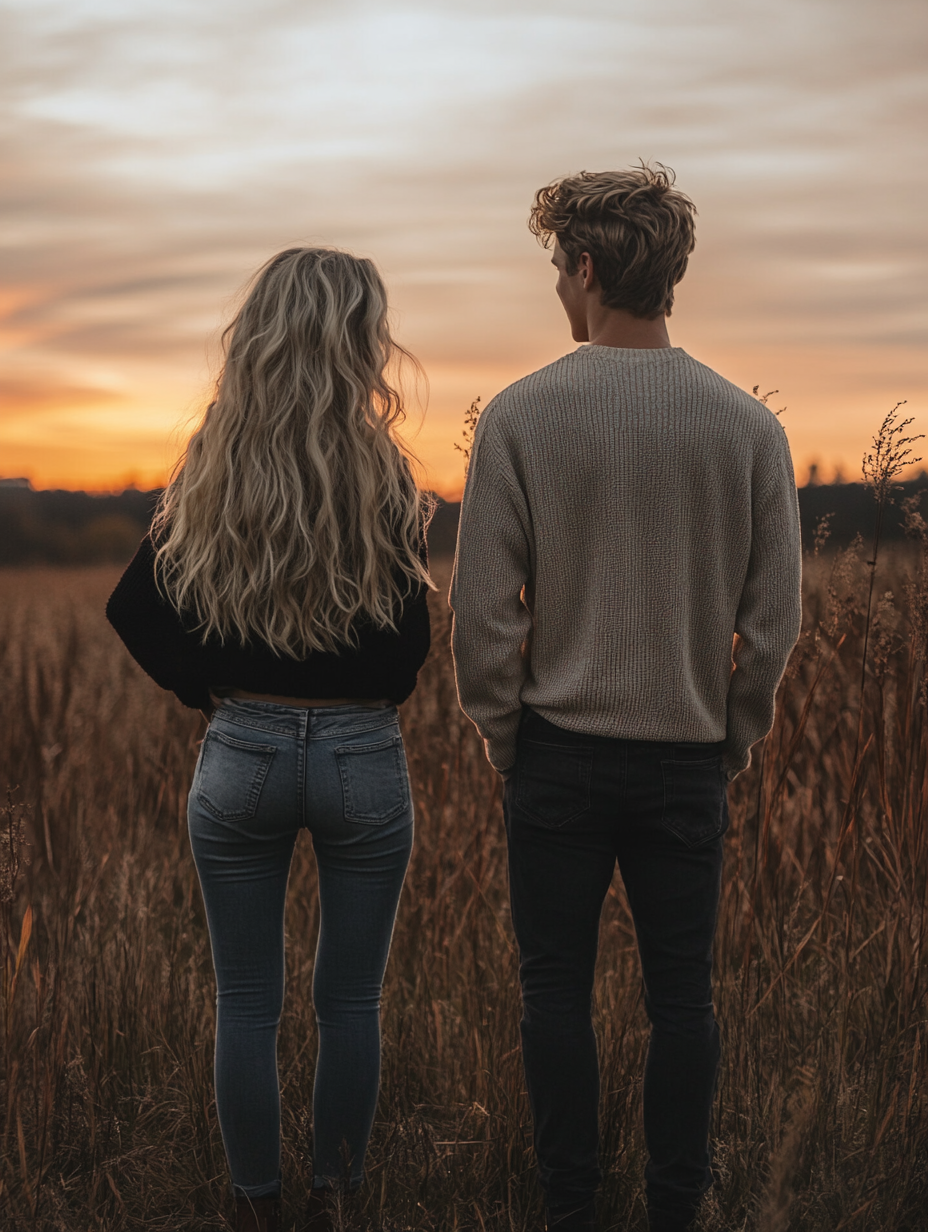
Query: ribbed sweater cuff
[{"x": 501, "y": 744}]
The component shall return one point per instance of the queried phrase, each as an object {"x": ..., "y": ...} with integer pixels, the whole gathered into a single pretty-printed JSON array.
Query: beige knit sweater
[{"x": 626, "y": 512}]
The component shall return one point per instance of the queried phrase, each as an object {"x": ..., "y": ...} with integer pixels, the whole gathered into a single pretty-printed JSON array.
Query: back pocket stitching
[
  {"x": 395, "y": 743},
  {"x": 253, "y": 795},
  {"x": 584, "y": 762},
  {"x": 667, "y": 768}
]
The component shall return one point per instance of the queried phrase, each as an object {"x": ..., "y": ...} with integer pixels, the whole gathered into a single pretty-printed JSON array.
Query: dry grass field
[{"x": 106, "y": 1109}]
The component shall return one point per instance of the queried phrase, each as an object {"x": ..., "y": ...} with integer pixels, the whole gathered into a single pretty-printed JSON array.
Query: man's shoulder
[
  {"x": 578, "y": 376},
  {"x": 548, "y": 384},
  {"x": 551, "y": 377},
  {"x": 729, "y": 397}
]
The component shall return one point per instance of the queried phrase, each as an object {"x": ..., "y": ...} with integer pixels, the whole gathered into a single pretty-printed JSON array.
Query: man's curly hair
[{"x": 637, "y": 228}]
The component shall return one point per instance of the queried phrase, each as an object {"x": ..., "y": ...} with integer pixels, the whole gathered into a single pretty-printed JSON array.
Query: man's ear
[{"x": 586, "y": 271}]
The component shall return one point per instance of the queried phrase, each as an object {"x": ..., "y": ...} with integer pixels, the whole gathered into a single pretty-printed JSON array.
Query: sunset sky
[{"x": 156, "y": 153}]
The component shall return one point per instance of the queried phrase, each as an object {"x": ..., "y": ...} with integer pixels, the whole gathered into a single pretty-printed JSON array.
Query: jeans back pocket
[
  {"x": 375, "y": 782},
  {"x": 552, "y": 782},
  {"x": 695, "y": 799},
  {"x": 230, "y": 775}
]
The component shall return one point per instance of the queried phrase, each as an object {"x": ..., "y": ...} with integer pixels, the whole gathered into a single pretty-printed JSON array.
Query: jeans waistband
[
  {"x": 302, "y": 720},
  {"x": 534, "y": 724}
]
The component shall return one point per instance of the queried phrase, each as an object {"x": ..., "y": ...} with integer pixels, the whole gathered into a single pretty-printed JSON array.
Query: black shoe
[
  {"x": 574, "y": 1218},
  {"x": 257, "y": 1214},
  {"x": 672, "y": 1223},
  {"x": 330, "y": 1209},
  {"x": 318, "y": 1217}
]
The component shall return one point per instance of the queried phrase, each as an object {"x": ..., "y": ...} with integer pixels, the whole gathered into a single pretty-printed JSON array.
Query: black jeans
[{"x": 575, "y": 805}]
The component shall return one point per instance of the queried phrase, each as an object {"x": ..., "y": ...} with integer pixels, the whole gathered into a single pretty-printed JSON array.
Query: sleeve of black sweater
[{"x": 153, "y": 631}]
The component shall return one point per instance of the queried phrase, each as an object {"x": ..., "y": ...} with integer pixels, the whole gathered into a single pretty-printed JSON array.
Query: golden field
[{"x": 106, "y": 1098}]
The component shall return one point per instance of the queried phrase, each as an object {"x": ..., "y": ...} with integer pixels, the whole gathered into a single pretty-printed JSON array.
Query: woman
[{"x": 282, "y": 591}]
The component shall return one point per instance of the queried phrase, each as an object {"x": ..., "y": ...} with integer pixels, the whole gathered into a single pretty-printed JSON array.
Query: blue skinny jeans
[{"x": 264, "y": 771}]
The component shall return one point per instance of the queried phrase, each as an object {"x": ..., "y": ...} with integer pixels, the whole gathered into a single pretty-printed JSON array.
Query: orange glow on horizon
[{"x": 76, "y": 439}]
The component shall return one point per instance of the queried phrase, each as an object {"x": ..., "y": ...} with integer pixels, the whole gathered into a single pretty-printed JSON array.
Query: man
[{"x": 627, "y": 513}]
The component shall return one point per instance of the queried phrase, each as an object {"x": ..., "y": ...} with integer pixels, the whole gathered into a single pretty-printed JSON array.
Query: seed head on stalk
[
  {"x": 890, "y": 454},
  {"x": 471, "y": 415},
  {"x": 882, "y": 465}
]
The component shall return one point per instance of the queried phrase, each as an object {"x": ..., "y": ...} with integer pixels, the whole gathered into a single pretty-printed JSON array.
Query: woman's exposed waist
[{"x": 219, "y": 693}]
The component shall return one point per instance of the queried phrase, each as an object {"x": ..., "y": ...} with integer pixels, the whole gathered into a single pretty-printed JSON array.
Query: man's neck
[{"x": 614, "y": 327}]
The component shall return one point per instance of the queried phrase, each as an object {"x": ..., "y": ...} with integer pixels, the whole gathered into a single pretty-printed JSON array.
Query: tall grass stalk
[{"x": 882, "y": 465}]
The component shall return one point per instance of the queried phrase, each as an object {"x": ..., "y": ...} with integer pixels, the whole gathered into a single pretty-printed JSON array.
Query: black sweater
[{"x": 170, "y": 649}]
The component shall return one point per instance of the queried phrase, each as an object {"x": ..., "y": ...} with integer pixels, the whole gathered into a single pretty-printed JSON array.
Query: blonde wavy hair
[{"x": 293, "y": 513}]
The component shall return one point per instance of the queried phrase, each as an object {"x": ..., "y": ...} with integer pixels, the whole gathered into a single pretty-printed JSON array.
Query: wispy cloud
[{"x": 156, "y": 156}]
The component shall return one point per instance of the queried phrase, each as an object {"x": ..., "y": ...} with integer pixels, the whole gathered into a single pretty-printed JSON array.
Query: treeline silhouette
[
  {"x": 81, "y": 528},
  {"x": 58, "y": 527},
  {"x": 849, "y": 507}
]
